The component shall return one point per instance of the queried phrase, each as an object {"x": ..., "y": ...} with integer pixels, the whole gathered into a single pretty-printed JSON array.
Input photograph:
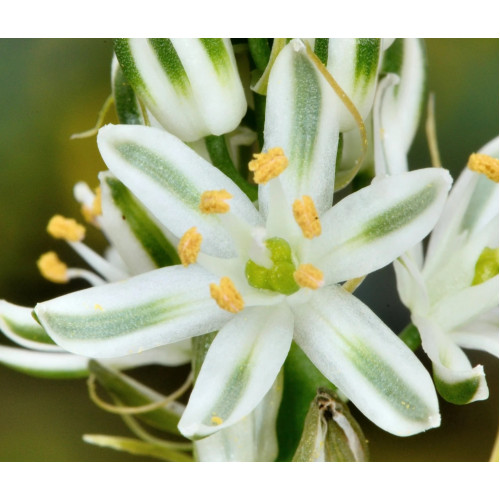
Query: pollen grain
[
  {"x": 308, "y": 276},
  {"x": 227, "y": 296},
  {"x": 267, "y": 166},
  {"x": 484, "y": 164},
  {"x": 66, "y": 229},
  {"x": 52, "y": 268},
  {"x": 306, "y": 216},
  {"x": 189, "y": 247},
  {"x": 214, "y": 202}
]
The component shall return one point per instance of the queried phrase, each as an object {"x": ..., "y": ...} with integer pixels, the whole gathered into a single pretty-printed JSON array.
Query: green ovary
[
  {"x": 486, "y": 266},
  {"x": 278, "y": 278}
]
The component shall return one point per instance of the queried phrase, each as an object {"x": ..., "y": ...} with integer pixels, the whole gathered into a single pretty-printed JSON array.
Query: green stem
[
  {"x": 200, "y": 346},
  {"x": 260, "y": 51},
  {"x": 411, "y": 337},
  {"x": 219, "y": 155}
]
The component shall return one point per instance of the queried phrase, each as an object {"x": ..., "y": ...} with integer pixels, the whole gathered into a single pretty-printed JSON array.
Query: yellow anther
[
  {"x": 216, "y": 420},
  {"x": 306, "y": 216},
  {"x": 226, "y": 295},
  {"x": 308, "y": 276},
  {"x": 267, "y": 166},
  {"x": 91, "y": 212},
  {"x": 189, "y": 246},
  {"x": 52, "y": 268},
  {"x": 484, "y": 164},
  {"x": 66, "y": 229},
  {"x": 213, "y": 202}
]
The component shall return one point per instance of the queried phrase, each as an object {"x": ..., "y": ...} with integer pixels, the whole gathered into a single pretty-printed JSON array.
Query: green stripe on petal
[
  {"x": 126, "y": 59},
  {"x": 354, "y": 63},
  {"x": 377, "y": 224},
  {"x": 150, "y": 310},
  {"x": 171, "y": 64},
  {"x": 169, "y": 178},
  {"x": 125, "y": 216},
  {"x": 218, "y": 55},
  {"x": 127, "y": 106},
  {"x": 461, "y": 392},
  {"x": 301, "y": 119},
  {"x": 192, "y": 89},
  {"x": 19, "y": 326},
  {"x": 239, "y": 369},
  {"x": 367, "y": 59},
  {"x": 367, "y": 362}
]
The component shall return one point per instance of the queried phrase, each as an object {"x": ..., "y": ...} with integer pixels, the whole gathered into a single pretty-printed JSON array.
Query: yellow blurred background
[{"x": 52, "y": 88}]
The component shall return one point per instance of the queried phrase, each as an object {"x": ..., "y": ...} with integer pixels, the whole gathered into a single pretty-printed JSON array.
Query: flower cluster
[{"x": 221, "y": 221}]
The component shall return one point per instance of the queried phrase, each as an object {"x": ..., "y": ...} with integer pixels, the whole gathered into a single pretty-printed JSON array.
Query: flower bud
[
  {"x": 190, "y": 86},
  {"x": 330, "y": 432}
]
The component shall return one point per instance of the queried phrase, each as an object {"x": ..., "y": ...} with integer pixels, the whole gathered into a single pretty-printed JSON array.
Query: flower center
[
  {"x": 486, "y": 266},
  {"x": 279, "y": 277}
]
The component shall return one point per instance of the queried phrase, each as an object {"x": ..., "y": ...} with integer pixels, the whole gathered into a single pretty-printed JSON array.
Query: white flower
[
  {"x": 190, "y": 86},
  {"x": 138, "y": 243},
  {"x": 262, "y": 277},
  {"x": 453, "y": 294}
]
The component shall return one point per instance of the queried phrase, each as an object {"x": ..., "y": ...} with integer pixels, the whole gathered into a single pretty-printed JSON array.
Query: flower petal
[
  {"x": 372, "y": 227},
  {"x": 471, "y": 206},
  {"x": 466, "y": 305},
  {"x": 155, "y": 308},
  {"x": 169, "y": 178},
  {"x": 301, "y": 119},
  {"x": 251, "y": 439},
  {"x": 240, "y": 368},
  {"x": 455, "y": 379},
  {"x": 44, "y": 364},
  {"x": 367, "y": 362},
  {"x": 142, "y": 242},
  {"x": 354, "y": 63},
  {"x": 191, "y": 85},
  {"x": 398, "y": 105},
  {"x": 481, "y": 333},
  {"x": 17, "y": 323}
]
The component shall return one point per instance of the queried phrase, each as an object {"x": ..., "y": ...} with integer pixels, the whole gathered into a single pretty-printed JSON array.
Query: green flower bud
[{"x": 330, "y": 432}]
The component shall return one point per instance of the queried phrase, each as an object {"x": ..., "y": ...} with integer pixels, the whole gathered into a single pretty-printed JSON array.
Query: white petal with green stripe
[
  {"x": 301, "y": 119},
  {"x": 399, "y": 103},
  {"x": 169, "y": 178},
  {"x": 141, "y": 240},
  {"x": 239, "y": 369},
  {"x": 150, "y": 310},
  {"x": 471, "y": 207},
  {"x": 372, "y": 227},
  {"x": 367, "y": 362},
  {"x": 127, "y": 105},
  {"x": 17, "y": 323},
  {"x": 191, "y": 85},
  {"x": 455, "y": 378},
  {"x": 251, "y": 439},
  {"x": 44, "y": 364},
  {"x": 354, "y": 64}
]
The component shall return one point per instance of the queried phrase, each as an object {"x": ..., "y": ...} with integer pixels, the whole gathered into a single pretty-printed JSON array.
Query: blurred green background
[{"x": 51, "y": 88}]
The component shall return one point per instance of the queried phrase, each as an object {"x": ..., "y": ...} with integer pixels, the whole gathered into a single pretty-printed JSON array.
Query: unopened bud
[{"x": 330, "y": 432}]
